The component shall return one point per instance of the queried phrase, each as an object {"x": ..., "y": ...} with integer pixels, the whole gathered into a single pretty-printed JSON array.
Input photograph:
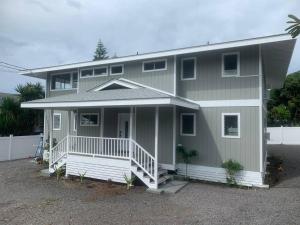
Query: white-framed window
[
  {"x": 155, "y": 65},
  {"x": 100, "y": 71},
  {"x": 187, "y": 124},
  {"x": 231, "y": 64},
  {"x": 188, "y": 68},
  {"x": 75, "y": 121},
  {"x": 89, "y": 119},
  {"x": 86, "y": 73},
  {"x": 231, "y": 125},
  {"x": 117, "y": 69},
  {"x": 56, "y": 121},
  {"x": 63, "y": 81}
]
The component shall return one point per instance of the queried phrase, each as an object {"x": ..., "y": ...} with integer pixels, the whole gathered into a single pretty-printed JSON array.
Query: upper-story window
[
  {"x": 188, "y": 69},
  {"x": 230, "y": 64},
  {"x": 86, "y": 73},
  {"x": 100, "y": 71},
  {"x": 155, "y": 65},
  {"x": 91, "y": 72},
  {"x": 64, "y": 81},
  {"x": 117, "y": 69}
]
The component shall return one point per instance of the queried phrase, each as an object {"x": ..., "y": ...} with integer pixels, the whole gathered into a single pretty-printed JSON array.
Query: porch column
[
  {"x": 130, "y": 132},
  {"x": 102, "y": 122},
  {"x": 156, "y": 145},
  {"x": 50, "y": 136},
  {"x": 68, "y": 130}
]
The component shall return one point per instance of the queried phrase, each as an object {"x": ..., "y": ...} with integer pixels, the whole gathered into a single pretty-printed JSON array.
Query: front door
[{"x": 123, "y": 125}]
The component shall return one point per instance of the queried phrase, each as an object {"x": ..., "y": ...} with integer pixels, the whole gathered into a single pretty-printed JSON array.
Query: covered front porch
[{"x": 108, "y": 134}]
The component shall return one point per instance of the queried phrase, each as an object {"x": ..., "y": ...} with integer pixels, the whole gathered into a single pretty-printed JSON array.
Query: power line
[
  {"x": 9, "y": 67},
  {"x": 20, "y": 67},
  {"x": 8, "y": 71}
]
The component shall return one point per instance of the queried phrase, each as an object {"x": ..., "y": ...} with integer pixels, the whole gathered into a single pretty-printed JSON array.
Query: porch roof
[{"x": 110, "y": 98}]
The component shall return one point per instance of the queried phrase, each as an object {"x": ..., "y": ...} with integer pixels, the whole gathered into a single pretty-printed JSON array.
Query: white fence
[
  {"x": 283, "y": 135},
  {"x": 18, "y": 147}
]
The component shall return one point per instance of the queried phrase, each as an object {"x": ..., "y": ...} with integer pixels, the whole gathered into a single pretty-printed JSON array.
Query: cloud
[{"x": 38, "y": 33}]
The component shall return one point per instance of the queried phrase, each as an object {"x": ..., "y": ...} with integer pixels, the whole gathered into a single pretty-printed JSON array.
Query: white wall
[
  {"x": 283, "y": 135},
  {"x": 18, "y": 147}
]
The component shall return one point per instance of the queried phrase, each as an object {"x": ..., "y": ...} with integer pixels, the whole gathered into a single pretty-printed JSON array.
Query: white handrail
[
  {"x": 143, "y": 159},
  {"x": 58, "y": 151}
]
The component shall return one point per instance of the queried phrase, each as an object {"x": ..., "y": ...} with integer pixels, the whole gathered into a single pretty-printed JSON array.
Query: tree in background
[
  {"x": 101, "y": 52},
  {"x": 284, "y": 103},
  {"x": 17, "y": 121},
  {"x": 294, "y": 29}
]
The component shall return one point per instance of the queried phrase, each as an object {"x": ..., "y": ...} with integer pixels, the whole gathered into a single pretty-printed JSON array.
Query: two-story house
[{"x": 126, "y": 115}]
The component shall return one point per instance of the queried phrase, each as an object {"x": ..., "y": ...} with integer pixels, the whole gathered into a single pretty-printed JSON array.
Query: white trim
[
  {"x": 239, "y": 125},
  {"x": 194, "y": 124},
  {"x": 146, "y": 86},
  {"x": 102, "y": 122},
  {"x": 261, "y": 125},
  {"x": 89, "y": 125},
  {"x": 216, "y": 174},
  {"x": 175, "y": 74},
  {"x": 195, "y": 68},
  {"x": 84, "y": 69},
  {"x": 57, "y": 114},
  {"x": 156, "y": 145},
  {"x": 100, "y": 67},
  {"x": 238, "y": 64},
  {"x": 202, "y": 48},
  {"x": 228, "y": 103},
  {"x": 153, "y": 61},
  {"x": 174, "y": 135},
  {"x": 119, "y": 82},
  {"x": 116, "y": 65},
  {"x": 157, "y": 101}
]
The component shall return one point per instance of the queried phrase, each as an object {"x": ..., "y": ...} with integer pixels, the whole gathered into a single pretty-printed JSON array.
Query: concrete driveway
[{"x": 28, "y": 198}]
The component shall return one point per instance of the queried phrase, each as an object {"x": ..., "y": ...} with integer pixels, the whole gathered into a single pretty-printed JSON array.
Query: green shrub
[{"x": 231, "y": 167}]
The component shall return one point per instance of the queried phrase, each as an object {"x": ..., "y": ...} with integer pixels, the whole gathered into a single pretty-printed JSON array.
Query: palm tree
[{"x": 294, "y": 29}]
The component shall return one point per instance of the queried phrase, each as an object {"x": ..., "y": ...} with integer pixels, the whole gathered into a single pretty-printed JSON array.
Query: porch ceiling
[{"x": 110, "y": 98}]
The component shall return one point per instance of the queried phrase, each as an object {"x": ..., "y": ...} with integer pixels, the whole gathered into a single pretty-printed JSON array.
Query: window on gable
[
  {"x": 116, "y": 69},
  {"x": 86, "y": 73},
  {"x": 231, "y": 125},
  {"x": 100, "y": 71},
  {"x": 188, "y": 124},
  {"x": 56, "y": 121},
  {"x": 60, "y": 81},
  {"x": 188, "y": 69},
  {"x": 230, "y": 64},
  {"x": 155, "y": 65},
  {"x": 89, "y": 119}
]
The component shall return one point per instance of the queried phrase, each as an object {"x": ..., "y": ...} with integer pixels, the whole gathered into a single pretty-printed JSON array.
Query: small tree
[
  {"x": 101, "y": 52},
  {"x": 232, "y": 167},
  {"x": 294, "y": 29},
  {"x": 186, "y": 156}
]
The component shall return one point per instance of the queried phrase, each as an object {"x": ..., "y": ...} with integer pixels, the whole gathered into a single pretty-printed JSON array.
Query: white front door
[{"x": 123, "y": 125}]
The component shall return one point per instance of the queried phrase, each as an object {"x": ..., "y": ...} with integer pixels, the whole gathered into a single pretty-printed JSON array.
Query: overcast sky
[{"x": 37, "y": 33}]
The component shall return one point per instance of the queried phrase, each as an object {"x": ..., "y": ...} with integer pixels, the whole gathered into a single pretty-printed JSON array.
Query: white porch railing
[
  {"x": 143, "y": 159},
  {"x": 58, "y": 151},
  {"x": 99, "y": 146}
]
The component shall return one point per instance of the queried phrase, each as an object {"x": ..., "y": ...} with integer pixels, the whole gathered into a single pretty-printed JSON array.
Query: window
[
  {"x": 89, "y": 119},
  {"x": 86, "y": 73},
  {"x": 230, "y": 64},
  {"x": 231, "y": 125},
  {"x": 74, "y": 79},
  {"x": 116, "y": 69},
  {"x": 188, "y": 69},
  {"x": 155, "y": 65},
  {"x": 75, "y": 121},
  {"x": 56, "y": 121},
  {"x": 188, "y": 124},
  {"x": 60, "y": 81},
  {"x": 100, "y": 71}
]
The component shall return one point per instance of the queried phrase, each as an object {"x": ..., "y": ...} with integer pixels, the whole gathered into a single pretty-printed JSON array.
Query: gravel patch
[{"x": 28, "y": 198}]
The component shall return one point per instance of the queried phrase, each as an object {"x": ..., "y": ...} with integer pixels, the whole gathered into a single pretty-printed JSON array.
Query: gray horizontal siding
[
  {"x": 163, "y": 80},
  {"x": 213, "y": 149},
  {"x": 209, "y": 83}
]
